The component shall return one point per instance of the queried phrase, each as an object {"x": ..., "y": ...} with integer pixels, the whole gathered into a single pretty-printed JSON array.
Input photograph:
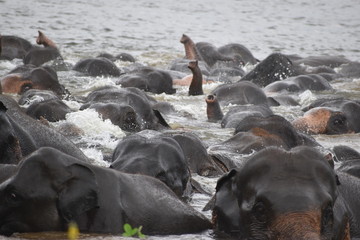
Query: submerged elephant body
[
  {"x": 30, "y": 77},
  {"x": 157, "y": 156},
  {"x": 33, "y": 200},
  {"x": 148, "y": 79},
  {"x": 330, "y": 116},
  {"x": 13, "y": 47},
  {"x": 33, "y": 134},
  {"x": 146, "y": 117}
]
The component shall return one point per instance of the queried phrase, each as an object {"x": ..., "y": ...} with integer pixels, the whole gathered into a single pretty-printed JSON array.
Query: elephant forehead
[
  {"x": 271, "y": 169},
  {"x": 39, "y": 175}
]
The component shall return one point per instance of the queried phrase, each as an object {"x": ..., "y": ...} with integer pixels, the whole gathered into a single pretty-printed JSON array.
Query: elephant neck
[{"x": 196, "y": 83}]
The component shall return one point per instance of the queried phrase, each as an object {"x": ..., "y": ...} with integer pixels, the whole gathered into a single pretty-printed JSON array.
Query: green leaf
[
  {"x": 134, "y": 231},
  {"x": 127, "y": 228},
  {"x": 131, "y": 232}
]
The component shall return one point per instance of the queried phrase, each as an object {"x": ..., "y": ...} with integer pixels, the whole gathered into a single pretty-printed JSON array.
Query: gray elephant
[{"x": 282, "y": 194}]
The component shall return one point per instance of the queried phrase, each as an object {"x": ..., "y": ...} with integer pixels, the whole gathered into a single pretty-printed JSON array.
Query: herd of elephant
[{"x": 287, "y": 186}]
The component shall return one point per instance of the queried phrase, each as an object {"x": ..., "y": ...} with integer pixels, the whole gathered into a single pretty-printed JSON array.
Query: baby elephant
[{"x": 50, "y": 189}]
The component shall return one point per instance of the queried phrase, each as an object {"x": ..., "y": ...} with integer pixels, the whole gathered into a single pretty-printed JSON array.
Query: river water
[{"x": 151, "y": 30}]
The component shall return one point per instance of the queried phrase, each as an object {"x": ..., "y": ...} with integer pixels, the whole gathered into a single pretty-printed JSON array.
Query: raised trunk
[
  {"x": 197, "y": 80},
  {"x": 45, "y": 41},
  {"x": 190, "y": 48},
  {"x": 213, "y": 109}
]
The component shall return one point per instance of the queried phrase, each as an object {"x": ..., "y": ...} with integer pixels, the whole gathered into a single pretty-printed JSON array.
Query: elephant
[
  {"x": 281, "y": 194},
  {"x": 236, "y": 49},
  {"x": 210, "y": 54},
  {"x": 278, "y": 125},
  {"x": 195, "y": 151},
  {"x": 351, "y": 167},
  {"x": 22, "y": 79},
  {"x": 330, "y": 116},
  {"x": 242, "y": 93},
  {"x": 202, "y": 51},
  {"x": 255, "y": 133},
  {"x": 12, "y": 47},
  {"x": 348, "y": 160},
  {"x": 32, "y": 134},
  {"x": 345, "y": 153},
  {"x": 316, "y": 61},
  {"x": 95, "y": 67},
  {"x": 148, "y": 79},
  {"x": 227, "y": 72},
  {"x": 300, "y": 83},
  {"x": 235, "y": 114},
  {"x": 44, "y": 105},
  {"x": 10, "y": 149},
  {"x": 40, "y": 55},
  {"x": 350, "y": 70},
  {"x": 179, "y": 68},
  {"x": 283, "y": 100},
  {"x": 146, "y": 116},
  {"x": 236, "y": 55},
  {"x": 52, "y": 110},
  {"x": 36, "y": 95},
  {"x": 125, "y": 57},
  {"x": 273, "y": 68},
  {"x": 32, "y": 200},
  {"x": 156, "y": 156},
  {"x": 123, "y": 116}
]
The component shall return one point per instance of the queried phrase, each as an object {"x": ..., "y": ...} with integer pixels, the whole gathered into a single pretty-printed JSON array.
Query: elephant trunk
[
  {"x": 299, "y": 226},
  {"x": 45, "y": 41},
  {"x": 190, "y": 48},
  {"x": 197, "y": 80},
  {"x": 213, "y": 109}
]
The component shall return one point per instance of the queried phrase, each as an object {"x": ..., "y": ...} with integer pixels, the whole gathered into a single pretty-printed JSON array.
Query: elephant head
[
  {"x": 46, "y": 193},
  {"x": 10, "y": 150},
  {"x": 282, "y": 195}
]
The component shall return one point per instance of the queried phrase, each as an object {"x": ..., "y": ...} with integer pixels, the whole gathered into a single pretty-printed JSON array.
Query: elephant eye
[
  {"x": 13, "y": 197},
  {"x": 25, "y": 87}
]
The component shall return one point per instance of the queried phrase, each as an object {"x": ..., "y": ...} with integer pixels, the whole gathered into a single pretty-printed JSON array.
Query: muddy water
[{"x": 151, "y": 30}]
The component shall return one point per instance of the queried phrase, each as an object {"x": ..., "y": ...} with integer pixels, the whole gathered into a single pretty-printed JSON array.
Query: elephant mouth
[{"x": 7, "y": 228}]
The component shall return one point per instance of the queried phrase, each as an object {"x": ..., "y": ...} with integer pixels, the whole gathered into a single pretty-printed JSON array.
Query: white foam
[
  {"x": 306, "y": 98},
  {"x": 7, "y": 65},
  {"x": 92, "y": 124},
  {"x": 96, "y": 155}
]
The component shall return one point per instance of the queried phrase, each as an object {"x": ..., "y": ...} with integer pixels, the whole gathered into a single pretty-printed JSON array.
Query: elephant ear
[
  {"x": 226, "y": 177},
  {"x": 2, "y": 105},
  {"x": 79, "y": 193},
  {"x": 330, "y": 158},
  {"x": 226, "y": 209},
  {"x": 161, "y": 119}
]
